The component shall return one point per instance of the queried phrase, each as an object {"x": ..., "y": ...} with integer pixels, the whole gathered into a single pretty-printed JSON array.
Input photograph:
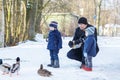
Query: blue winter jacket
[
  {"x": 90, "y": 46},
  {"x": 54, "y": 40}
]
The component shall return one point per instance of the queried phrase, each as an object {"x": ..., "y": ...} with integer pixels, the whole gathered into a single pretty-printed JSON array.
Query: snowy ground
[{"x": 106, "y": 65}]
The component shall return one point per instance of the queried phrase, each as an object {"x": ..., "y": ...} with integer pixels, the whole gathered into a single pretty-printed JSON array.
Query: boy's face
[
  {"x": 86, "y": 33},
  {"x": 82, "y": 26},
  {"x": 52, "y": 28}
]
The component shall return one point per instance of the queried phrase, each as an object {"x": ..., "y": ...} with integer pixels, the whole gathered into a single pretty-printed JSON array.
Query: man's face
[{"x": 82, "y": 26}]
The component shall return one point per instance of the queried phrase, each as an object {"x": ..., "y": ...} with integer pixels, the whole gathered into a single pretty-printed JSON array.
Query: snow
[
  {"x": 106, "y": 65},
  {"x": 112, "y": 26}
]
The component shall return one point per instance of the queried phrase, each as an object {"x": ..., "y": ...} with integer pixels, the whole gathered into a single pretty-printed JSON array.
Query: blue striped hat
[
  {"x": 90, "y": 30},
  {"x": 53, "y": 24}
]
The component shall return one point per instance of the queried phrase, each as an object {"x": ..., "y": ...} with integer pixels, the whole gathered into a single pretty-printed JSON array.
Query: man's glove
[
  {"x": 70, "y": 44},
  {"x": 76, "y": 46},
  {"x": 79, "y": 41}
]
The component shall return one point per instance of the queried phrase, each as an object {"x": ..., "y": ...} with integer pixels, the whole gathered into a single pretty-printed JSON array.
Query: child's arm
[{"x": 59, "y": 41}]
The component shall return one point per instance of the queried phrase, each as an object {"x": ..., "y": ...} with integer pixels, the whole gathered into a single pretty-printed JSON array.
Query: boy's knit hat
[
  {"x": 90, "y": 30},
  {"x": 53, "y": 24},
  {"x": 82, "y": 20}
]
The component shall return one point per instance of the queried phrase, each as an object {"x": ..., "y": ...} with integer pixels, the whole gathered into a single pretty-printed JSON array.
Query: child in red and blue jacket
[{"x": 89, "y": 50}]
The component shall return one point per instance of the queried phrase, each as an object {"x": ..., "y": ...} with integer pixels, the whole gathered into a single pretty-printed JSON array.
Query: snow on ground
[{"x": 106, "y": 65}]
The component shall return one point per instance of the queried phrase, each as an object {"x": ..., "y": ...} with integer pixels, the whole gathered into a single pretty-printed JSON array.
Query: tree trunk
[
  {"x": 15, "y": 21},
  {"x": 21, "y": 23},
  {"x": 39, "y": 18},
  {"x": 98, "y": 15},
  {"x": 31, "y": 23},
  {"x": 1, "y": 25}
]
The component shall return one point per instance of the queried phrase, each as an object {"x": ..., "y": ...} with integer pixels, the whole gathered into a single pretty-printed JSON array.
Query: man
[{"x": 79, "y": 36}]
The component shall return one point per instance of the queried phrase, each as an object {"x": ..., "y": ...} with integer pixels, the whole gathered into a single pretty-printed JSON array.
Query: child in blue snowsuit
[
  {"x": 89, "y": 50},
  {"x": 54, "y": 44}
]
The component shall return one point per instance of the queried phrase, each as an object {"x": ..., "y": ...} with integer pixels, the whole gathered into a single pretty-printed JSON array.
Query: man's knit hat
[
  {"x": 53, "y": 24},
  {"x": 82, "y": 20}
]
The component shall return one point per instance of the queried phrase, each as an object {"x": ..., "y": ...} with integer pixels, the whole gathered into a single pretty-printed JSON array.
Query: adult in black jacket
[{"x": 79, "y": 36}]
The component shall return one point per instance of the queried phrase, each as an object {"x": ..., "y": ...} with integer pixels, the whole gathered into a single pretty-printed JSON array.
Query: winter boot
[
  {"x": 83, "y": 63},
  {"x": 87, "y": 68},
  {"x": 56, "y": 64},
  {"x": 52, "y": 63},
  {"x": 82, "y": 66}
]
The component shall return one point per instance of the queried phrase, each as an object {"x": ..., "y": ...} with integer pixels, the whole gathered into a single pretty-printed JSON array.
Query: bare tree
[
  {"x": 98, "y": 13},
  {"x": 22, "y": 19},
  {"x": 1, "y": 24},
  {"x": 15, "y": 15}
]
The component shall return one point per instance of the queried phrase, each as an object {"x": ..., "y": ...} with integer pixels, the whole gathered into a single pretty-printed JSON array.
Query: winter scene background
[
  {"x": 106, "y": 65},
  {"x": 24, "y": 27}
]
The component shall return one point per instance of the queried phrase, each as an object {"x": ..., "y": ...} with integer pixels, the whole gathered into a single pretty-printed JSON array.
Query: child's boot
[
  {"x": 51, "y": 64},
  {"x": 87, "y": 68},
  {"x": 56, "y": 64},
  {"x": 82, "y": 65}
]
